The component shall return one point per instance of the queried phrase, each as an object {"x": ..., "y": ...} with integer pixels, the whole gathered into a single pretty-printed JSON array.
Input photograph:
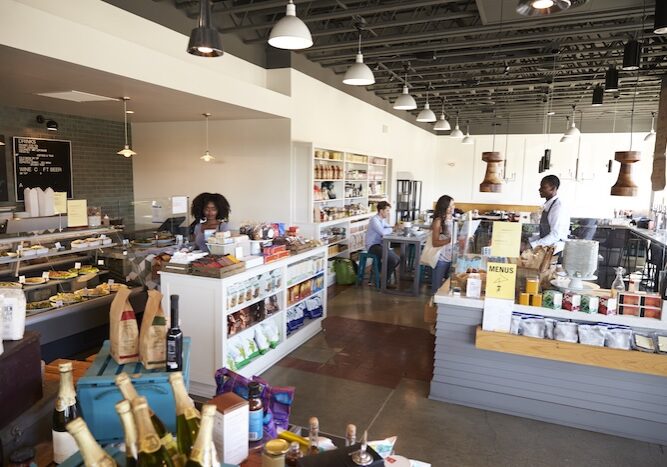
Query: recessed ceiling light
[{"x": 76, "y": 96}]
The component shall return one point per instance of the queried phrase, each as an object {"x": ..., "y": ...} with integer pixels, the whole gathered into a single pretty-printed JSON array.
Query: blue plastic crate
[{"x": 98, "y": 393}]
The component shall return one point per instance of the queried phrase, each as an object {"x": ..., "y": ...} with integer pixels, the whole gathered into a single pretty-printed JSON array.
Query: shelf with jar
[{"x": 327, "y": 191}]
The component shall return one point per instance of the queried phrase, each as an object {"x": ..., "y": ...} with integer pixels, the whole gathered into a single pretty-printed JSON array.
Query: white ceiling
[{"x": 25, "y": 74}]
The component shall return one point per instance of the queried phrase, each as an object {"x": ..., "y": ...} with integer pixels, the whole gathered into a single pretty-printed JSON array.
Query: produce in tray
[
  {"x": 91, "y": 293},
  {"x": 62, "y": 275},
  {"x": 105, "y": 287},
  {"x": 86, "y": 269},
  {"x": 34, "y": 280},
  {"x": 10, "y": 285}
]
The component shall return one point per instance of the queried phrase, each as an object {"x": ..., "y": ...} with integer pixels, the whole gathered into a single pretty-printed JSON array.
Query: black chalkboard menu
[{"x": 42, "y": 163}]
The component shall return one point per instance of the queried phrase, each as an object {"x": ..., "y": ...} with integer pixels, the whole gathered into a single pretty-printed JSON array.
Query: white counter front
[{"x": 205, "y": 304}]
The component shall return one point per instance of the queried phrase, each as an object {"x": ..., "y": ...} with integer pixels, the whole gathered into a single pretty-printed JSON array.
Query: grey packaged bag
[
  {"x": 566, "y": 331},
  {"x": 592, "y": 334}
]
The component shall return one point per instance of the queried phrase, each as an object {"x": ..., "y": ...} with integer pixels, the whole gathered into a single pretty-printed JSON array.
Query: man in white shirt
[
  {"x": 555, "y": 219},
  {"x": 378, "y": 228}
]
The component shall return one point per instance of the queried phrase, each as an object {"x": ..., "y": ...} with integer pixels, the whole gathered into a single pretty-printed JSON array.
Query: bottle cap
[
  {"x": 314, "y": 423},
  {"x": 351, "y": 430},
  {"x": 123, "y": 406},
  {"x": 65, "y": 367},
  {"x": 254, "y": 389},
  {"x": 276, "y": 447}
]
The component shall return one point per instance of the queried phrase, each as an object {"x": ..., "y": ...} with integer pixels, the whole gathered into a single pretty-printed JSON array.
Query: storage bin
[{"x": 98, "y": 393}]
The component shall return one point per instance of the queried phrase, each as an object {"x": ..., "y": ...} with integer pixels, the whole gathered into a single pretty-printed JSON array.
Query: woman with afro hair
[{"x": 210, "y": 212}]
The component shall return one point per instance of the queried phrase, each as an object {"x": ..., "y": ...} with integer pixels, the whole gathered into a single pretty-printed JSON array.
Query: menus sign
[
  {"x": 500, "y": 280},
  {"x": 42, "y": 163}
]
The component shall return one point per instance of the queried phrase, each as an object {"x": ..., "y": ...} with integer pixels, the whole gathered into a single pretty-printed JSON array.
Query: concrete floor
[{"x": 368, "y": 368}]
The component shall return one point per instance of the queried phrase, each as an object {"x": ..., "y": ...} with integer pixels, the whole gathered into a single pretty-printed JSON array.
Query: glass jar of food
[{"x": 273, "y": 454}]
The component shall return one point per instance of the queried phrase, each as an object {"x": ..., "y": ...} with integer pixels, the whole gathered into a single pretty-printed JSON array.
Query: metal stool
[{"x": 375, "y": 268}]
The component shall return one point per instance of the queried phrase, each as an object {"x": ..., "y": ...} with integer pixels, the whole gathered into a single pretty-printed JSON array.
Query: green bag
[{"x": 345, "y": 274}]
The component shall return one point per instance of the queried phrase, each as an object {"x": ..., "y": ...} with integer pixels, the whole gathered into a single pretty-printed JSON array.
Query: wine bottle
[
  {"x": 66, "y": 409},
  {"x": 174, "y": 339},
  {"x": 187, "y": 416},
  {"x": 151, "y": 451},
  {"x": 92, "y": 453},
  {"x": 127, "y": 420},
  {"x": 126, "y": 387},
  {"x": 203, "y": 452}
]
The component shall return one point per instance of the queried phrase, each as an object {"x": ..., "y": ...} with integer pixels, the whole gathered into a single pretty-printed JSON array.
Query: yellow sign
[
  {"x": 60, "y": 202},
  {"x": 500, "y": 280},
  {"x": 77, "y": 213},
  {"x": 506, "y": 239}
]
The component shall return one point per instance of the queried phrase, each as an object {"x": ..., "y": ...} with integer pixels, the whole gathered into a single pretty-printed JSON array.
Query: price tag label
[
  {"x": 45, "y": 275},
  {"x": 58, "y": 246},
  {"x": 21, "y": 279},
  {"x": 110, "y": 282},
  {"x": 100, "y": 262},
  {"x": 125, "y": 253},
  {"x": 103, "y": 236},
  {"x": 77, "y": 265},
  {"x": 59, "y": 303},
  {"x": 19, "y": 248}
]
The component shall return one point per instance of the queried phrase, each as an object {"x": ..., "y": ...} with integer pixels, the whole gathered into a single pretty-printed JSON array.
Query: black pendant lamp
[
  {"x": 205, "y": 39},
  {"x": 660, "y": 24},
  {"x": 598, "y": 96},
  {"x": 632, "y": 55},
  {"x": 611, "y": 79}
]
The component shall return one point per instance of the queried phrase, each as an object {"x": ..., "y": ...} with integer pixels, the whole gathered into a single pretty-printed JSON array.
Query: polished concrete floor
[{"x": 372, "y": 366}]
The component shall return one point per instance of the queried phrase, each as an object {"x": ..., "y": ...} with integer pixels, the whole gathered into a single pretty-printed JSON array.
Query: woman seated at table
[
  {"x": 211, "y": 211},
  {"x": 442, "y": 237}
]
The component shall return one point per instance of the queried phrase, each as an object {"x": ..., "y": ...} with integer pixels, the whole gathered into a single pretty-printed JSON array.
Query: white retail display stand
[{"x": 203, "y": 305}]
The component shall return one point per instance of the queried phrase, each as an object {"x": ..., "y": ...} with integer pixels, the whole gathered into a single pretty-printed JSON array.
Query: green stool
[{"x": 375, "y": 268}]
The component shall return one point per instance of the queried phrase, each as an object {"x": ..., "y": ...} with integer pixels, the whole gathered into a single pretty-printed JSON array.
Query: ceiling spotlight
[
  {"x": 650, "y": 137},
  {"x": 660, "y": 24},
  {"x": 542, "y": 7},
  {"x": 551, "y": 113},
  {"x": 290, "y": 32},
  {"x": 359, "y": 74},
  {"x": 632, "y": 55},
  {"x": 51, "y": 125},
  {"x": 205, "y": 39},
  {"x": 611, "y": 79},
  {"x": 598, "y": 96}
]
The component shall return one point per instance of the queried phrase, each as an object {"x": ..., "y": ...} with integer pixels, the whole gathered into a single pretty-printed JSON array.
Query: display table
[
  {"x": 557, "y": 384},
  {"x": 207, "y": 303},
  {"x": 404, "y": 241}
]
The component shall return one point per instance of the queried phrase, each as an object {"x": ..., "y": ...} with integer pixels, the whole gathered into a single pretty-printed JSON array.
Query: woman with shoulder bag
[{"x": 441, "y": 237}]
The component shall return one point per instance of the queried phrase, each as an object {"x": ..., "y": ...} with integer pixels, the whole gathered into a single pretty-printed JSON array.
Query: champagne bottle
[
  {"x": 187, "y": 416},
  {"x": 66, "y": 409},
  {"x": 313, "y": 436},
  {"x": 174, "y": 339},
  {"x": 151, "y": 451},
  {"x": 350, "y": 435},
  {"x": 203, "y": 452},
  {"x": 126, "y": 387},
  {"x": 127, "y": 420},
  {"x": 92, "y": 453}
]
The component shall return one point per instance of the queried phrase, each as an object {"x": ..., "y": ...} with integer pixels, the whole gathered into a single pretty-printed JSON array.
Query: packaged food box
[
  {"x": 651, "y": 312},
  {"x": 590, "y": 304},
  {"x": 629, "y": 310},
  {"x": 652, "y": 300},
  {"x": 552, "y": 299},
  {"x": 608, "y": 306},
  {"x": 571, "y": 301},
  {"x": 627, "y": 298}
]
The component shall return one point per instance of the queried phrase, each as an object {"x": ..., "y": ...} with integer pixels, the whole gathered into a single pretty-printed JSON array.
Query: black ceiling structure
[{"x": 482, "y": 58}]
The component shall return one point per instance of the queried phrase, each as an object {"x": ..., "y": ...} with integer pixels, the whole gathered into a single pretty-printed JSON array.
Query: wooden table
[{"x": 403, "y": 240}]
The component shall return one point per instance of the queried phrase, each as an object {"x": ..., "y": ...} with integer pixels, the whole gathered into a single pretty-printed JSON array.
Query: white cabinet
[{"x": 289, "y": 288}]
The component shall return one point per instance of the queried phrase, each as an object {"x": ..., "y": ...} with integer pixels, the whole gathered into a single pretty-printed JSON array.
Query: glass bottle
[
  {"x": 187, "y": 416},
  {"x": 618, "y": 285},
  {"x": 124, "y": 410},
  {"x": 151, "y": 451},
  {"x": 174, "y": 339},
  {"x": 203, "y": 452},
  {"x": 313, "y": 436},
  {"x": 350, "y": 435},
  {"x": 256, "y": 416},
  {"x": 66, "y": 410},
  {"x": 293, "y": 454},
  {"x": 126, "y": 387},
  {"x": 92, "y": 453},
  {"x": 273, "y": 454}
]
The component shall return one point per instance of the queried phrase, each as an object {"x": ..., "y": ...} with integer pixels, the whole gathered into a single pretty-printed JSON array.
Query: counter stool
[{"x": 375, "y": 268}]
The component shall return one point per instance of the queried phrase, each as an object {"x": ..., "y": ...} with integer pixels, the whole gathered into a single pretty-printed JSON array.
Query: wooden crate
[
  {"x": 219, "y": 273},
  {"x": 616, "y": 359}
]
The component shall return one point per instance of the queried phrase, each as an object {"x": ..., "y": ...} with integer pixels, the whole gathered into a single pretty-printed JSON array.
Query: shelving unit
[{"x": 204, "y": 304}]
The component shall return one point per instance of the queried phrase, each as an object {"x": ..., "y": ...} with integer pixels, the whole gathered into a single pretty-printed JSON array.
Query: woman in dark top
[{"x": 211, "y": 212}]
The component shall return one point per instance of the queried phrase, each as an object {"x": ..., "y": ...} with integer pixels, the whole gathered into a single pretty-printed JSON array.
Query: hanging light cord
[
  {"x": 125, "y": 119},
  {"x": 634, "y": 97},
  {"x": 359, "y": 51},
  {"x": 206, "y": 133}
]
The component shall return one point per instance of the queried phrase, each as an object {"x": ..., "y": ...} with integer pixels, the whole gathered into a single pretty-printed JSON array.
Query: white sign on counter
[{"x": 497, "y": 314}]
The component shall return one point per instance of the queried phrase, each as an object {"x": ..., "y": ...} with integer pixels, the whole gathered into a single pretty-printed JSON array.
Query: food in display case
[
  {"x": 66, "y": 298},
  {"x": 85, "y": 269},
  {"x": 59, "y": 275}
]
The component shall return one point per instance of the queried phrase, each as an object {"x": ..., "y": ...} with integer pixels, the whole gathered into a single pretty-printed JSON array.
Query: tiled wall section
[{"x": 99, "y": 174}]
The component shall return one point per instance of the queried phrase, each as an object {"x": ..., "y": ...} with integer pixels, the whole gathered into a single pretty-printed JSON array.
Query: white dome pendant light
[
  {"x": 442, "y": 124},
  {"x": 565, "y": 138},
  {"x": 426, "y": 115},
  {"x": 573, "y": 130},
  {"x": 207, "y": 157},
  {"x": 126, "y": 151},
  {"x": 405, "y": 101},
  {"x": 456, "y": 132},
  {"x": 469, "y": 139},
  {"x": 290, "y": 33},
  {"x": 650, "y": 137},
  {"x": 359, "y": 74}
]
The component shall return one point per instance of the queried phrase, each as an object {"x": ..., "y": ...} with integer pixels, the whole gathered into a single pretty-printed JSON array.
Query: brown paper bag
[
  {"x": 430, "y": 311},
  {"x": 153, "y": 334},
  {"x": 123, "y": 330}
]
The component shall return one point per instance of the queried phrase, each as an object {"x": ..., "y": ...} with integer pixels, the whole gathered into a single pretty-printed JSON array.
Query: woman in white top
[{"x": 442, "y": 237}]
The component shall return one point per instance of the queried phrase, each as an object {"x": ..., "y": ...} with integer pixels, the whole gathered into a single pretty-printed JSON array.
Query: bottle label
[
  {"x": 64, "y": 445},
  {"x": 256, "y": 431}
]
